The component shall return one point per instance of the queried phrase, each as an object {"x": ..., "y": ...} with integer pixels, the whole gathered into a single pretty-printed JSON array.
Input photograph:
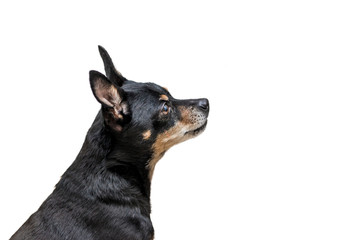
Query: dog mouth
[{"x": 198, "y": 130}]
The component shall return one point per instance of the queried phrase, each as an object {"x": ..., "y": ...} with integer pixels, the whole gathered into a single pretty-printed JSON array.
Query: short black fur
[{"x": 105, "y": 193}]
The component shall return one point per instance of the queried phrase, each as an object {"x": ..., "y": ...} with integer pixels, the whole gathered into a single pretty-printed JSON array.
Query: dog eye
[{"x": 165, "y": 108}]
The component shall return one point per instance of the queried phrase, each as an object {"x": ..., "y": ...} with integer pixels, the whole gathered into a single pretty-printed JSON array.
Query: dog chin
[{"x": 197, "y": 131}]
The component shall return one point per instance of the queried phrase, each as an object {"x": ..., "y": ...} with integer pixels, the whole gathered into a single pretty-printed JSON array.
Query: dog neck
[{"x": 102, "y": 173}]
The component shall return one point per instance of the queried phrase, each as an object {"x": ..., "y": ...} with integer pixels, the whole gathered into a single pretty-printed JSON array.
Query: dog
[{"x": 105, "y": 193}]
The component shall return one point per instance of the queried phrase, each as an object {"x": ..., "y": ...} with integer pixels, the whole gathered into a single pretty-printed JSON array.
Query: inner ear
[
  {"x": 104, "y": 91},
  {"x": 108, "y": 94}
]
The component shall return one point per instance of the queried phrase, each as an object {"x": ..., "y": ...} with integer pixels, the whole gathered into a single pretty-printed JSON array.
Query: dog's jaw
[
  {"x": 197, "y": 131},
  {"x": 192, "y": 124}
]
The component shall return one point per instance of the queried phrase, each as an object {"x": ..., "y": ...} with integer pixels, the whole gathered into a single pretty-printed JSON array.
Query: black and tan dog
[{"x": 105, "y": 193}]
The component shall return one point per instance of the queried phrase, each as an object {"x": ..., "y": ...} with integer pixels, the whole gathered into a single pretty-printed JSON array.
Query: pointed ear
[
  {"x": 104, "y": 91},
  {"x": 110, "y": 70},
  {"x": 111, "y": 97}
]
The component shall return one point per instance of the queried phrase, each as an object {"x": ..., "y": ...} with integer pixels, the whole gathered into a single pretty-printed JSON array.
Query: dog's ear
[
  {"x": 110, "y": 69},
  {"x": 111, "y": 98},
  {"x": 104, "y": 91}
]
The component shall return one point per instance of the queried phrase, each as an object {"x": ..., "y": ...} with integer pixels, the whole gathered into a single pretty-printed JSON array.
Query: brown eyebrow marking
[
  {"x": 165, "y": 88},
  {"x": 164, "y": 97}
]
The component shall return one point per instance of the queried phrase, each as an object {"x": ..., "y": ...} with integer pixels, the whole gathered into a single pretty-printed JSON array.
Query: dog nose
[{"x": 204, "y": 104}]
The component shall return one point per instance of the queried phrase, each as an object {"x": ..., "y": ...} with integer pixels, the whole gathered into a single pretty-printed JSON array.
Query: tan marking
[
  {"x": 186, "y": 114},
  {"x": 164, "y": 97},
  {"x": 166, "y": 140},
  {"x": 171, "y": 137},
  {"x": 146, "y": 135},
  {"x": 165, "y": 88}
]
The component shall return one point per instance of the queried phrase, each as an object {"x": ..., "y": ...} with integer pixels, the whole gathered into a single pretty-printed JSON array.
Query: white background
[{"x": 280, "y": 157}]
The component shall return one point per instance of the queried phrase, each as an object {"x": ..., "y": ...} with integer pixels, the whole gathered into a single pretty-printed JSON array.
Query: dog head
[{"x": 144, "y": 118}]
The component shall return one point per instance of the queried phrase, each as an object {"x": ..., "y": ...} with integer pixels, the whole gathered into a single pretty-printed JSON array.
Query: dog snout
[{"x": 200, "y": 105}]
